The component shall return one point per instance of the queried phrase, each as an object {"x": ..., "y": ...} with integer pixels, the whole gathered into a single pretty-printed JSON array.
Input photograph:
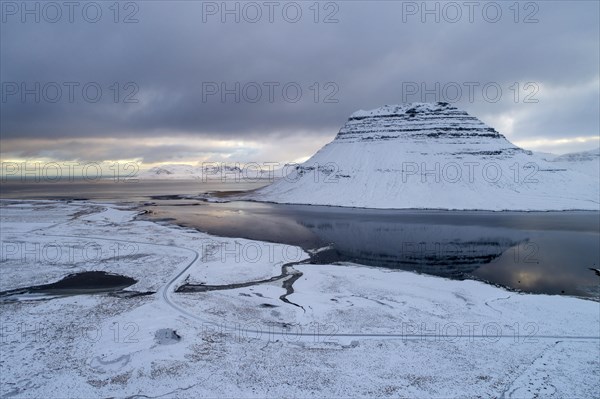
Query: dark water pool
[{"x": 92, "y": 282}]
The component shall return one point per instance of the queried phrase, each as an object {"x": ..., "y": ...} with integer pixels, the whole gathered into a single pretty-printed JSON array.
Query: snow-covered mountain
[
  {"x": 212, "y": 171},
  {"x": 173, "y": 171},
  {"x": 433, "y": 155}
]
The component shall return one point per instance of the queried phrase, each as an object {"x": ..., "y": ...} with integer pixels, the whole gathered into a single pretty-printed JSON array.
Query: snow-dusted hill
[
  {"x": 433, "y": 155},
  {"x": 586, "y": 162},
  {"x": 584, "y": 156}
]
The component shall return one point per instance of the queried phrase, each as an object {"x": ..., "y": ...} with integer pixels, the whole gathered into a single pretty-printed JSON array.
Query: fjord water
[
  {"x": 539, "y": 252},
  {"x": 109, "y": 189}
]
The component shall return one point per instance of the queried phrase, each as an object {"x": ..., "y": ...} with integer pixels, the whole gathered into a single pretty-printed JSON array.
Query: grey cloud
[{"x": 369, "y": 54}]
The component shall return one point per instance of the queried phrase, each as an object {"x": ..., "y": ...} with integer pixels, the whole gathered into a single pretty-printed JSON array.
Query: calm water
[
  {"x": 541, "y": 252},
  {"x": 110, "y": 190}
]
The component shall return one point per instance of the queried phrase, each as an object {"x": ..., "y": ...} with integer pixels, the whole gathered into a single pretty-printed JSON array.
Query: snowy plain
[{"x": 345, "y": 330}]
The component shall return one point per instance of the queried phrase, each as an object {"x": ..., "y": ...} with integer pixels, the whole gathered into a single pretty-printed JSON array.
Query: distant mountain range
[{"x": 214, "y": 171}]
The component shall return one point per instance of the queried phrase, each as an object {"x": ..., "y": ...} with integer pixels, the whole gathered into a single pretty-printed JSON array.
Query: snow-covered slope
[
  {"x": 584, "y": 156},
  {"x": 586, "y": 162},
  {"x": 432, "y": 155}
]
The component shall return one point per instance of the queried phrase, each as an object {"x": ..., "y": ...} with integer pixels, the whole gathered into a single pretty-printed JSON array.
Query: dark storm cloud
[{"x": 168, "y": 59}]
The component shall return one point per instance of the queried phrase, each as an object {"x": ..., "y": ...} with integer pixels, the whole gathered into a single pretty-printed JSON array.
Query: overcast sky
[{"x": 290, "y": 80}]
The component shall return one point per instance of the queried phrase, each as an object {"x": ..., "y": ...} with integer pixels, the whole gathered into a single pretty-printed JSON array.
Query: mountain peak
[
  {"x": 433, "y": 156},
  {"x": 416, "y": 122},
  {"x": 401, "y": 109}
]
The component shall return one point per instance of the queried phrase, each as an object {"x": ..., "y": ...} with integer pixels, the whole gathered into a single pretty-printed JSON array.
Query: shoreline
[{"x": 359, "y": 319}]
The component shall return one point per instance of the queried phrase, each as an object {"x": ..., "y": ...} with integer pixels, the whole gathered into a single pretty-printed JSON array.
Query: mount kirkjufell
[{"x": 435, "y": 156}]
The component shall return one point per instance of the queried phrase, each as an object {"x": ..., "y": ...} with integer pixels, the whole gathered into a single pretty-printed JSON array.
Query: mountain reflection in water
[{"x": 541, "y": 252}]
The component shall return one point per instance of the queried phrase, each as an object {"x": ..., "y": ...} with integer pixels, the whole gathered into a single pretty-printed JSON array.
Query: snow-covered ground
[
  {"x": 434, "y": 156},
  {"x": 345, "y": 330}
]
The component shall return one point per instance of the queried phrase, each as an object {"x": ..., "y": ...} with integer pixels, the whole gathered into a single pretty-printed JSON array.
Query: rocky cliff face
[
  {"x": 419, "y": 121},
  {"x": 430, "y": 155}
]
